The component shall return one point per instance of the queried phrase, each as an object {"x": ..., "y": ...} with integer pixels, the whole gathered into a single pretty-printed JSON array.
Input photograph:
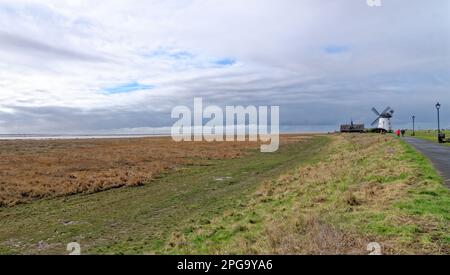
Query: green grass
[
  {"x": 432, "y": 198},
  {"x": 424, "y": 209},
  {"x": 429, "y": 135},
  {"x": 142, "y": 219},
  {"x": 428, "y": 200},
  {"x": 310, "y": 214}
]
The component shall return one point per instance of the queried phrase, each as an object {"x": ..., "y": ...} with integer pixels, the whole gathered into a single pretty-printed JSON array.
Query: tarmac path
[{"x": 438, "y": 154}]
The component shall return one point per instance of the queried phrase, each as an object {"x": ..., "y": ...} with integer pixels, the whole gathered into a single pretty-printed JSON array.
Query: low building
[{"x": 352, "y": 128}]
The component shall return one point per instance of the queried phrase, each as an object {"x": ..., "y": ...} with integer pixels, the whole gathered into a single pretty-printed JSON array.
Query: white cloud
[{"x": 60, "y": 56}]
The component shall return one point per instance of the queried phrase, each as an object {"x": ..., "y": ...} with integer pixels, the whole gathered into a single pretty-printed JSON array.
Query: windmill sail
[
  {"x": 385, "y": 111},
  {"x": 375, "y": 111}
]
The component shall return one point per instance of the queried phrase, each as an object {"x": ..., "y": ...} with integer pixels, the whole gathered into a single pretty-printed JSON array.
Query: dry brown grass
[
  {"x": 34, "y": 169},
  {"x": 313, "y": 236},
  {"x": 47, "y": 168}
]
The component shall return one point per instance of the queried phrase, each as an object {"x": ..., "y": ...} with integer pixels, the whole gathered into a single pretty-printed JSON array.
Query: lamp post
[
  {"x": 438, "y": 106},
  {"x": 414, "y": 128}
]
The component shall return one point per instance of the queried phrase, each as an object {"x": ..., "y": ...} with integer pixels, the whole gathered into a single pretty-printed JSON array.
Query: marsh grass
[{"x": 37, "y": 169}]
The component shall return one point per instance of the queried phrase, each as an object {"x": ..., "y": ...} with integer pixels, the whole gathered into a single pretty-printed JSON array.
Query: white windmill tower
[{"x": 383, "y": 119}]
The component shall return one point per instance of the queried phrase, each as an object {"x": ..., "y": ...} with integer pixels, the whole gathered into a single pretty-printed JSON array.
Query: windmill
[{"x": 383, "y": 119}]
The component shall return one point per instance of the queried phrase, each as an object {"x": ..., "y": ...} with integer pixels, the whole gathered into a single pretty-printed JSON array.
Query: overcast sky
[{"x": 84, "y": 66}]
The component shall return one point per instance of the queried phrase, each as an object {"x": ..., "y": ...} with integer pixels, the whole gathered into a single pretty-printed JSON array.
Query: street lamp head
[{"x": 438, "y": 105}]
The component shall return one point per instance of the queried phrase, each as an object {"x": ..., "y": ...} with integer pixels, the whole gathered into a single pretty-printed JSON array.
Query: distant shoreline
[
  {"x": 104, "y": 136},
  {"x": 60, "y": 137}
]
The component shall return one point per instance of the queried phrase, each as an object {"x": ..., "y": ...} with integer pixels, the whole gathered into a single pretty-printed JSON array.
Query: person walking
[{"x": 398, "y": 133}]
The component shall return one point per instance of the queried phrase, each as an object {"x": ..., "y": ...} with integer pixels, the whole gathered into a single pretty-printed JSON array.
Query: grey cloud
[
  {"x": 31, "y": 47},
  {"x": 50, "y": 120},
  {"x": 398, "y": 55}
]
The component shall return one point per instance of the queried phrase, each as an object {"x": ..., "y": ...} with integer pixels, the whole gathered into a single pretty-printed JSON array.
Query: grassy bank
[
  {"x": 371, "y": 189},
  {"x": 429, "y": 135},
  {"x": 141, "y": 219}
]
